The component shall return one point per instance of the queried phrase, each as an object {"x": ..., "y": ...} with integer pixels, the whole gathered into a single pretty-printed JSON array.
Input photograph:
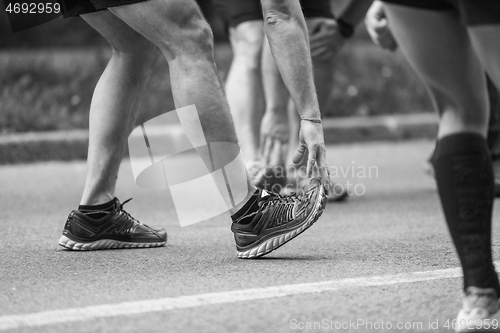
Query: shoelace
[
  {"x": 278, "y": 198},
  {"x": 123, "y": 211},
  {"x": 284, "y": 205}
]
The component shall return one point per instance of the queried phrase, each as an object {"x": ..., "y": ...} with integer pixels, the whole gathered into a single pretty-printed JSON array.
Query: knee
[
  {"x": 193, "y": 37},
  {"x": 200, "y": 40},
  {"x": 247, "y": 41},
  {"x": 277, "y": 12},
  {"x": 468, "y": 108},
  {"x": 275, "y": 18}
]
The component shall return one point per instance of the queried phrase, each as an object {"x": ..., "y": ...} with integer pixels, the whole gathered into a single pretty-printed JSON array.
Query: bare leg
[
  {"x": 486, "y": 39},
  {"x": 244, "y": 85},
  {"x": 177, "y": 27},
  {"x": 114, "y": 104},
  {"x": 450, "y": 68},
  {"x": 459, "y": 96}
]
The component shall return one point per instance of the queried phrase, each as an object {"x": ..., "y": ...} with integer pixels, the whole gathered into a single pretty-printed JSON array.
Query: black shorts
[
  {"x": 235, "y": 12},
  {"x": 79, "y": 7},
  {"x": 472, "y": 12}
]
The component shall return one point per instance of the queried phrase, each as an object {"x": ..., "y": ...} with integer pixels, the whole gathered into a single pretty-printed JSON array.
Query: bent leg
[
  {"x": 178, "y": 28},
  {"x": 114, "y": 104}
]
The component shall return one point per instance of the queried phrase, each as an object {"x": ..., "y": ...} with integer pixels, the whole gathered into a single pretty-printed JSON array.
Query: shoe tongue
[{"x": 117, "y": 203}]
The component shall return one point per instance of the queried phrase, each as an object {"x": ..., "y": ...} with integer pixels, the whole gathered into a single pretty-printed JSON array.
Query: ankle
[{"x": 96, "y": 199}]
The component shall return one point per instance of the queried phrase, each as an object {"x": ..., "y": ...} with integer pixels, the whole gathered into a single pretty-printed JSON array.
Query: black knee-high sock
[{"x": 466, "y": 187}]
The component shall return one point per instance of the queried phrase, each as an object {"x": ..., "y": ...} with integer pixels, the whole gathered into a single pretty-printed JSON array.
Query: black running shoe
[
  {"x": 278, "y": 220},
  {"x": 117, "y": 230}
]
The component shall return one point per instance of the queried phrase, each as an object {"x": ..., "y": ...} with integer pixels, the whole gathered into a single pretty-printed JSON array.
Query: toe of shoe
[{"x": 162, "y": 234}]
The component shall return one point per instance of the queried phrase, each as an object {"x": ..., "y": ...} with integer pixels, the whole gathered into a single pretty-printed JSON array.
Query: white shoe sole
[
  {"x": 477, "y": 321},
  {"x": 104, "y": 244}
]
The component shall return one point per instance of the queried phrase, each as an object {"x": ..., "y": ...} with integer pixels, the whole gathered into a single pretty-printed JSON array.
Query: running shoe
[
  {"x": 278, "y": 220},
  {"x": 117, "y": 230},
  {"x": 480, "y": 312}
]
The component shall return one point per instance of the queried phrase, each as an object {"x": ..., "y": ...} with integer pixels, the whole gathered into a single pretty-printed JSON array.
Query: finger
[
  {"x": 261, "y": 146},
  {"x": 311, "y": 159},
  {"x": 324, "y": 169},
  {"x": 387, "y": 41},
  {"x": 318, "y": 37},
  {"x": 285, "y": 152},
  {"x": 323, "y": 56},
  {"x": 323, "y": 53},
  {"x": 275, "y": 153},
  {"x": 320, "y": 42},
  {"x": 267, "y": 149},
  {"x": 381, "y": 26},
  {"x": 324, "y": 172},
  {"x": 393, "y": 47},
  {"x": 322, "y": 28},
  {"x": 299, "y": 154},
  {"x": 371, "y": 21}
]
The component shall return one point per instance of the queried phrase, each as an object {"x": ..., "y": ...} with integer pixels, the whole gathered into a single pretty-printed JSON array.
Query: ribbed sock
[{"x": 466, "y": 187}]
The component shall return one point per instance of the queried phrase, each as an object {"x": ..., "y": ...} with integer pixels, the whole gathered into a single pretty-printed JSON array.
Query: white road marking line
[{"x": 183, "y": 302}]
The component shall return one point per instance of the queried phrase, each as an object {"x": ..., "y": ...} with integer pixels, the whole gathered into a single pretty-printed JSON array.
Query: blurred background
[{"x": 48, "y": 73}]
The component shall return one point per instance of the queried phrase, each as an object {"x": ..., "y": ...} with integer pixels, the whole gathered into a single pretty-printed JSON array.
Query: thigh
[
  {"x": 235, "y": 12},
  {"x": 117, "y": 33},
  {"x": 486, "y": 41},
  {"x": 175, "y": 26},
  {"x": 247, "y": 37},
  {"x": 438, "y": 47}
]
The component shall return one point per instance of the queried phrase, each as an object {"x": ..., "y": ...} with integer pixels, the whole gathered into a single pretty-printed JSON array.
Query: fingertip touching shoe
[
  {"x": 480, "y": 311},
  {"x": 117, "y": 230},
  {"x": 276, "y": 219},
  {"x": 338, "y": 193}
]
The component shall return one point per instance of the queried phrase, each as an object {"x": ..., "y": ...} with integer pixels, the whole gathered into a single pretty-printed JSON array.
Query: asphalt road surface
[{"x": 380, "y": 262}]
